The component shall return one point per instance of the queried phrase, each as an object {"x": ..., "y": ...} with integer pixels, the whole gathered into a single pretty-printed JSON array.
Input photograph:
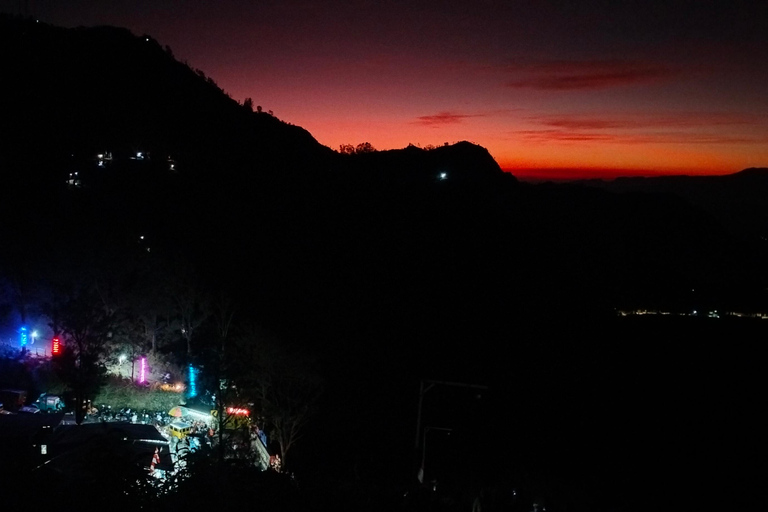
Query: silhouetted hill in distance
[{"x": 736, "y": 200}]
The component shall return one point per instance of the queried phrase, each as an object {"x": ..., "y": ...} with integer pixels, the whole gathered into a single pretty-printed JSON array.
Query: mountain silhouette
[
  {"x": 431, "y": 237},
  {"x": 433, "y": 241}
]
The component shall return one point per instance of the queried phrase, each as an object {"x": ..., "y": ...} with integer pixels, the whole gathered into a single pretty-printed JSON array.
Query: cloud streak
[
  {"x": 443, "y": 118},
  {"x": 560, "y": 75},
  {"x": 643, "y": 128},
  {"x": 567, "y": 136},
  {"x": 639, "y": 121}
]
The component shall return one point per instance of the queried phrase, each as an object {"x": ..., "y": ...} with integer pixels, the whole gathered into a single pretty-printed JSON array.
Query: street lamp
[{"x": 121, "y": 359}]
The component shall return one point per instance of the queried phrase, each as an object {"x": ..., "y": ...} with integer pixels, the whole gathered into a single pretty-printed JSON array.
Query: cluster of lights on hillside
[
  {"x": 708, "y": 313},
  {"x": 105, "y": 159},
  {"x": 74, "y": 179}
]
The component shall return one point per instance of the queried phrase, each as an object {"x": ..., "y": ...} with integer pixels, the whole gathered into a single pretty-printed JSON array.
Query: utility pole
[
  {"x": 424, "y": 386},
  {"x": 420, "y": 474}
]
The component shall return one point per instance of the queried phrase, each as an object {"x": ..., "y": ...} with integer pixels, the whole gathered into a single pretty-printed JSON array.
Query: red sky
[{"x": 552, "y": 88}]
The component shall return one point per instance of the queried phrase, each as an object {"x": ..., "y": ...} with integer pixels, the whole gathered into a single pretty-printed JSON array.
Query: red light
[
  {"x": 56, "y": 347},
  {"x": 238, "y": 411}
]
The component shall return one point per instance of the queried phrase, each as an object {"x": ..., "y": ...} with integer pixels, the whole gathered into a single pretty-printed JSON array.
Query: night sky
[{"x": 552, "y": 88}]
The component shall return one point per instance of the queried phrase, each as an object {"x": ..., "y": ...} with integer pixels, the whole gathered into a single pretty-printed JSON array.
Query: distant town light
[{"x": 443, "y": 175}]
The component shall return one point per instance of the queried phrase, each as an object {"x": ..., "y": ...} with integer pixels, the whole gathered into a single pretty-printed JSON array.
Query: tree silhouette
[
  {"x": 151, "y": 307},
  {"x": 190, "y": 303},
  {"x": 86, "y": 327},
  {"x": 365, "y": 147},
  {"x": 283, "y": 384}
]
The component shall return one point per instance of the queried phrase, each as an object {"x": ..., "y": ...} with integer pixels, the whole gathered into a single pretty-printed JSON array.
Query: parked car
[{"x": 49, "y": 403}]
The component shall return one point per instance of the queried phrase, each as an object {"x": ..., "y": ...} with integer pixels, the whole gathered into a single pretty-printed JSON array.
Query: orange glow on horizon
[
  {"x": 603, "y": 173},
  {"x": 599, "y": 152}
]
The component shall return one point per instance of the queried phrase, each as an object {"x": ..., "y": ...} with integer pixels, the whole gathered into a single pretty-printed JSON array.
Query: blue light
[
  {"x": 192, "y": 381},
  {"x": 23, "y": 336}
]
